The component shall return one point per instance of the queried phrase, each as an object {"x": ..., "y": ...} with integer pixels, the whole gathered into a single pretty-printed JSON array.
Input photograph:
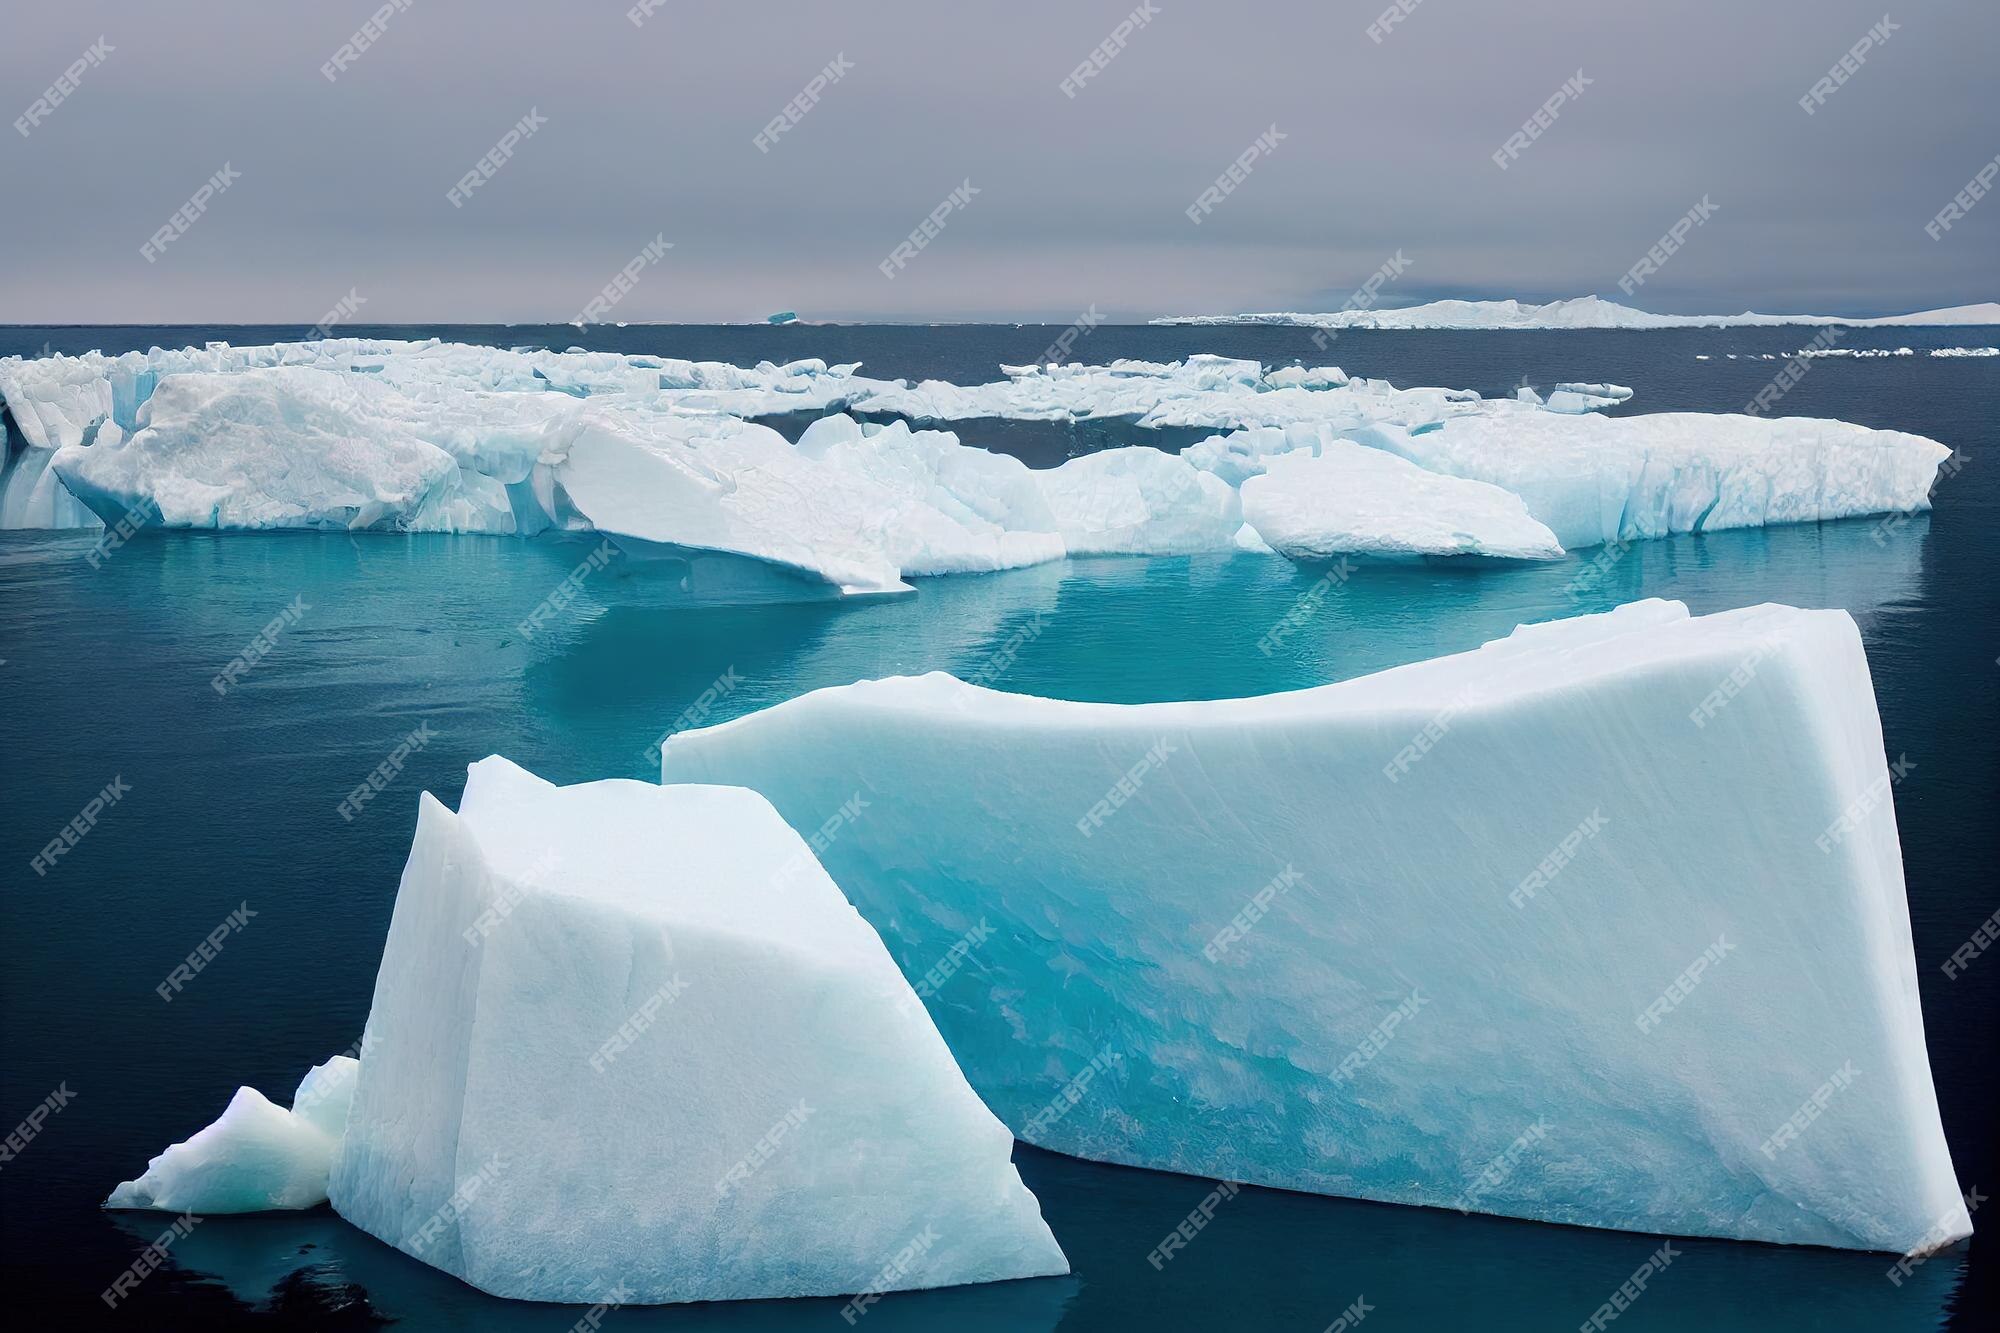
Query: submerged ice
[
  {"x": 1613, "y": 887},
  {"x": 667, "y": 457}
]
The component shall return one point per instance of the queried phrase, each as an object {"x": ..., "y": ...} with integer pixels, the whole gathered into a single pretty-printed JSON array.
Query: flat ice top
[{"x": 701, "y": 856}]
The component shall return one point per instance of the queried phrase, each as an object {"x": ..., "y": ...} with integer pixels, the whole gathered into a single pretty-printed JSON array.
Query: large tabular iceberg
[
  {"x": 631, "y": 1037},
  {"x": 1603, "y": 923}
]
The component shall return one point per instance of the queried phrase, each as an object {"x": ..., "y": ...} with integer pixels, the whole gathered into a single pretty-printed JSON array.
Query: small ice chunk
[{"x": 257, "y": 1156}]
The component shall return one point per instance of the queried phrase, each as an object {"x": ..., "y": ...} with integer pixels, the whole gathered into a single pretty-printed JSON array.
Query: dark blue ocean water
[{"x": 105, "y": 672}]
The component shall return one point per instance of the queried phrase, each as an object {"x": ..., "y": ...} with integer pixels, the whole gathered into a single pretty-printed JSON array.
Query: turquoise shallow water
[{"x": 233, "y": 800}]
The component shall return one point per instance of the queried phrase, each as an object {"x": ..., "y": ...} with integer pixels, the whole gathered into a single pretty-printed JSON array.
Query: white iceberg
[
  {"x": 300, "y": 447},
  {"x": 626, "y": 1035},
  {"x": 64, "y": 401},
  {"x": 1206, "y": 392},
  {"x": 1603, "y": 923},
  {"x": 257, "y": 1156},
  {"x": 1595, "y": 479},
  {"x": 1575, "y": 398},
  {"x": 310, "y": 447},
  {"x": 1139, "y": 501},
  {"x": 1582, "y": 312},
  {"x": 994, "y": 503},
  {"x": 660, "y": 455},
  {"x": 1348, "y": 499}
]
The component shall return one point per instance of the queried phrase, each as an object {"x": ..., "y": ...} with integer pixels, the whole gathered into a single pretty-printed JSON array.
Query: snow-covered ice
[
  {"x": 309, "y": 447},
  {"x": 662, "y": 455},
  {"x": 256, "y": 1156},
  {"x": 1582, "y": 312},
  {"x": 1352, "y": 499},
  {"x": 1595, "y": 479},
  {"x": 1139, "y": 501},
  {"x": 1208, "y": 392},
  {"x": 629, "y": 1035},
  {"x": 1622, "y": 887},
  {"x": 1575, "y": 398}
]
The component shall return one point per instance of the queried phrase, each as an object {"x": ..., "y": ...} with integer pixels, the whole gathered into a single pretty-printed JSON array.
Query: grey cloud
[{"x": 1081, "y": 199}]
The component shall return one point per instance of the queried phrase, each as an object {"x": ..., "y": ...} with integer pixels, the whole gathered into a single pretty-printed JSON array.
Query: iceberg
[
  {"x": 633, "y": 1036},
  {"x": 663, "y": 456},
  {"x": 1140, "y": 501},
  {"x": 1201, "y": 392},
  {"x": 257, "y": 1156},
  {"x": 61, "y": 401},
  {"x": 1576, "y": 398},
  {"x": 1582, "y": 312},
  {"x": 1000, "y": 518},
  {"x": 300, "y": 447},
  {"x": 1478, "y": 932},
  {"x": 308, "y": 447},
  {"x": 1595, "y": 479},
  {"x": 1348, "y": 499}
]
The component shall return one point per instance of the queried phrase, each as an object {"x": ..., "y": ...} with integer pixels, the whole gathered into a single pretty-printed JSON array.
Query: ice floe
[
  {"x": 1349, "y": 499},
  {"x": 1856, "y": 353}
]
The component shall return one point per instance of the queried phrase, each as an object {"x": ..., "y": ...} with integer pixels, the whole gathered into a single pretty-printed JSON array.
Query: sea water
[{"x": 401, "y": 657}]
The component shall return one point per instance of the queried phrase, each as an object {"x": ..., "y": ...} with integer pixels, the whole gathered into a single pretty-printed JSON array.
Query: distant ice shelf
[
  {"x": 1582, "y": 312},
  {"x": 1603, "y": 923},
  {"x": 674, "y": 460}
]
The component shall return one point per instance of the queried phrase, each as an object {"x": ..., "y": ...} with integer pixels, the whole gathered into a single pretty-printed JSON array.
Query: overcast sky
[{"x": 1081, "y": 200}]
